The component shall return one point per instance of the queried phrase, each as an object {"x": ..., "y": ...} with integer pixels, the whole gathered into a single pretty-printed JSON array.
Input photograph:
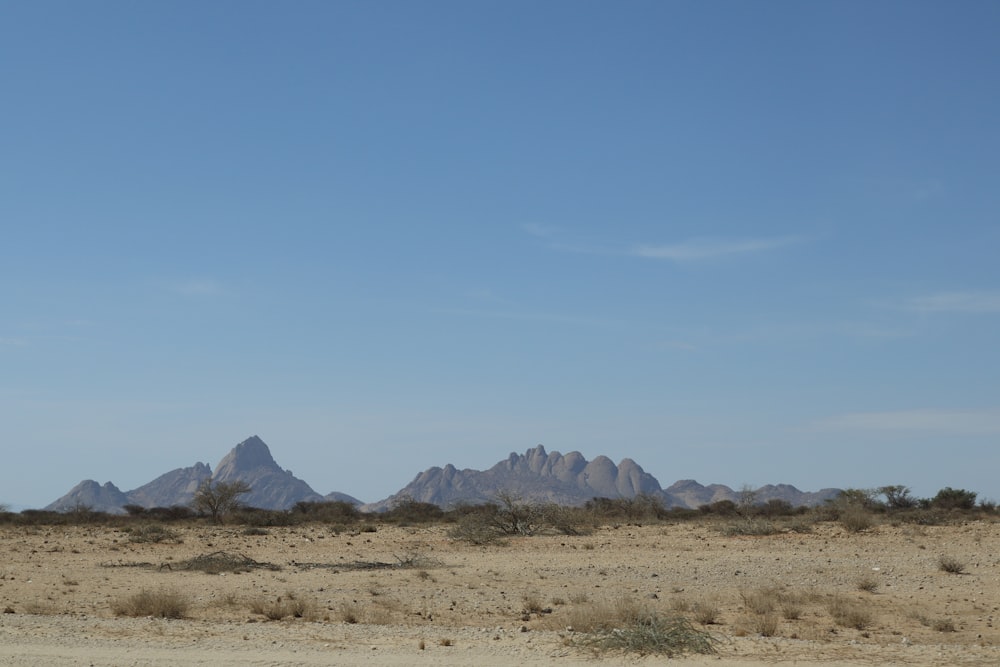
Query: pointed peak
[{"x": 250, "y": 454}]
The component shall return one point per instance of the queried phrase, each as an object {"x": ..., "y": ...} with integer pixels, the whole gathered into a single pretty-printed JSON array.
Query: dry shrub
[
  {"x": 152, "y": 533},
  {"x": 849, "y": 613},
  {"x": 760, "y": 601},
  {"x": 765, "y": 625},
  {"x": 532, "y": 603},
  {"x": 223, "y": 561},
  {"x": 944, "y": 625},
  {"x": 868, "y": 583},
  {"x": 626, "y": 625},
  {"x": 603, "y": 616},
  {"x": 951, "y": 564},
  {"x": 288, "y": 606},
  {"x": 36, "y": 608},
  {"x": 652, "y": 634},
  {"x": 750, "y": 526},
  {"x": 706, "y": 613},
  {"x": 159, "y": 604},
  {"x": 856, "y": 519},
  {"x": 791, "y": 610},
  {"x": 349, "y": 613}
]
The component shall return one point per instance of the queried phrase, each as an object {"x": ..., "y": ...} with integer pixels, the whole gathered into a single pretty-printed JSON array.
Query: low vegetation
[{"x": 155, "y": 603}]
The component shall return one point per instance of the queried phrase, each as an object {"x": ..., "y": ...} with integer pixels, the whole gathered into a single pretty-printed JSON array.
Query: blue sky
[{"x": 743, "y": 243}]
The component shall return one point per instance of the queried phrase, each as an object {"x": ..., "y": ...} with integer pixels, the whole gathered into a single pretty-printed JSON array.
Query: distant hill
[
  {"x": 538, "y": 476},
  {"x": 249, "y": 461}
]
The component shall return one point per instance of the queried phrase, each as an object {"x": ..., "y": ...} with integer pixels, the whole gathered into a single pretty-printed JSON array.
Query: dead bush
[{"x": 951, "y": 564}]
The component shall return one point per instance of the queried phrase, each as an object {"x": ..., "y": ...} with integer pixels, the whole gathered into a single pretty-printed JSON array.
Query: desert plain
[{"x": 312, "y": 594}]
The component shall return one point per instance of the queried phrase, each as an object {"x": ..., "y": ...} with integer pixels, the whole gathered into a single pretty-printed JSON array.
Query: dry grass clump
[
  {"x": 856, "y": 519},
  {"x": 706, "y": 613},
  {"x": 223, "y": 561},
  {"x": 625, "y": 625},
  {"x": 287, "y": 606},
  {"x": 750, "y": 526},
  {"x": 944, "y": 625},
  {"x": 867, "y": 583},
  {"x": 765, "y": 625},
  {"x": 849, "y": 613},
  {"x": 158, "y": 604},
  {"x": 761, "y": 601},
  {"x": 951, "y": 564}
]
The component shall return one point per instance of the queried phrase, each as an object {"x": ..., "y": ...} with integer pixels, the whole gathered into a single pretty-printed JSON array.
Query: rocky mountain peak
[{"x": 251, "y": 454}]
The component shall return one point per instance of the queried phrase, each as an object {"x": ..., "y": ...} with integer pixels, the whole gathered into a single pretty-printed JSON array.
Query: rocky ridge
[
  {"x": 249, "y": 461},
  {"x": 539, "y": 476}
]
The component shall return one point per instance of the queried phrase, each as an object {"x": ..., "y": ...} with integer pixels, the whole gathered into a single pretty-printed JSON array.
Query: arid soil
[{"x": 412, "y": 595}]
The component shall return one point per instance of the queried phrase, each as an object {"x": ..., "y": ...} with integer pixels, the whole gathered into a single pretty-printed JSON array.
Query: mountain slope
[
  {"x": 535, "y": 475},
  {"x": 249, "y": 461},
  {"x": 272, "y": 488}
]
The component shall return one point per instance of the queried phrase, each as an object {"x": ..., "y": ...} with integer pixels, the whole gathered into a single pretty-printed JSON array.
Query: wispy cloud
[
  {"x": 930, "y": 421},
  {"x": 691, "y": 250},
  {"x": 956, "y": 302},
  {"x": 698, "y": 249}
]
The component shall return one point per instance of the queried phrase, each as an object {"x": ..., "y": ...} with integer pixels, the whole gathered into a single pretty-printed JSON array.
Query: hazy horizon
[{"x": 739, "y": 243}]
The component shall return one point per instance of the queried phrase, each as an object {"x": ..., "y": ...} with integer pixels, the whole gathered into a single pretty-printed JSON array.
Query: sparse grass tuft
[
  {"x": 765, "y": 625},
  {"x": 868, "y": 583},
  {"x": 951, "y": 564},
  {"x": 750, "y": 526},
  {"x": 159, "y": 604},
  {"x": 944, "y": 625},
  {"x": 653, "y": 634},
  {"x": 532, "y": 603},
  {"x": 706, "y": 613},
  {"x": 152, "y": 533},
  {"x": 760, "y": 601},
  {"x": 856, "y": 519},
  {"x": 288, "y": 606},
  {"x": 849, "y": 613}
]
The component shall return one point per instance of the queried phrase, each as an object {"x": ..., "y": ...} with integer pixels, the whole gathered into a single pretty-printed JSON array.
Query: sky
[{"x": 742, "y": 243}]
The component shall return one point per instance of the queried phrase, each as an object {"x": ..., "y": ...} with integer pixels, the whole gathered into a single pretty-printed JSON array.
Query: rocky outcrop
[
  {"x": 250, "y": 461},
  {"x": 689, "y": 493},
  {"x": 271, "y": 487},
  {"x": 90, "y": 494},
  {"x": 535, "y": 475},
  {"x": 176, "y": 487},
  {"x": 538, "y": 476}
]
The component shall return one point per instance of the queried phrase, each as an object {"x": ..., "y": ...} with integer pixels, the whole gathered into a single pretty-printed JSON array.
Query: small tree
[
  {"x": 218, "y": 500},
  {"x": 897, "y": 497},
  {"x": 951, "y": 499}
]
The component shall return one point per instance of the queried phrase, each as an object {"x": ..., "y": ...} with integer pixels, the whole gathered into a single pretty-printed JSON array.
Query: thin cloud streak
[
  {"x": 956, "y": 302},
  {"x": 951, "y": 422},
  {"x": 709, "y": 248}
]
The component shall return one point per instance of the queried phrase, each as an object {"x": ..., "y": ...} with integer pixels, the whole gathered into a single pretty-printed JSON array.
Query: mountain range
[
  {"x": 536, "y": 476},
  {"x": 250, "y": 461}
]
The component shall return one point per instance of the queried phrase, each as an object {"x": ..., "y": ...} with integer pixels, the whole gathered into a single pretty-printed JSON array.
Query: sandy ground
[{"x": 446, "y": 602}]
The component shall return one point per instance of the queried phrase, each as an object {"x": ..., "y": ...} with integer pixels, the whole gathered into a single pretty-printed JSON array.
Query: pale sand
[{"x": 61, "y": 583}]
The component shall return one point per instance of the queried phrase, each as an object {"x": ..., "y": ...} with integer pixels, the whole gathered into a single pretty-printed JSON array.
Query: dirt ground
[{"x": 412, "y": 595}]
